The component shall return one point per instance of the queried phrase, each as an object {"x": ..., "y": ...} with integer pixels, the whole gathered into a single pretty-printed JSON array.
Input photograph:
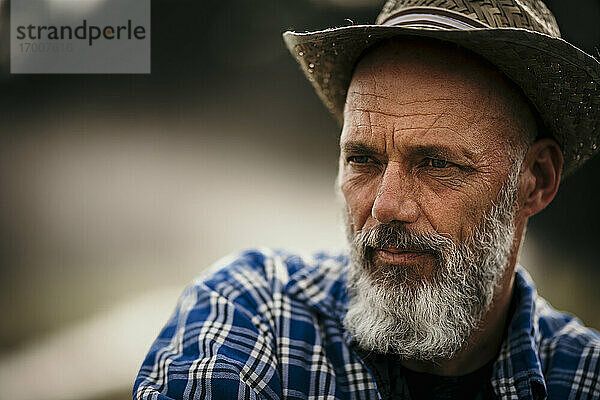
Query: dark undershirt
[{"x": 473, "y": 386}]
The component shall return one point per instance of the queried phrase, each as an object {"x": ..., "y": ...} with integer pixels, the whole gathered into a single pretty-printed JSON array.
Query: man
[{"x": 458, "y": 119}]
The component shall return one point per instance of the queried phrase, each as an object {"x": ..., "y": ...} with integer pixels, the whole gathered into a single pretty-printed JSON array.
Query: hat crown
[{"x": 532, "y": 15}]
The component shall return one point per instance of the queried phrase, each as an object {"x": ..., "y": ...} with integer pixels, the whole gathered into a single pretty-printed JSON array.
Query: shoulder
[
  {"x": 262, "y": 284},
  {"x": 255, "y": 275},
  {"x": 231, "y": 322},
  {"x": 569, "y": 352}
]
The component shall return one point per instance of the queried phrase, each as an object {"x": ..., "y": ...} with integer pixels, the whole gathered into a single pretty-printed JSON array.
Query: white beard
[{"x": 394, "y": 310}]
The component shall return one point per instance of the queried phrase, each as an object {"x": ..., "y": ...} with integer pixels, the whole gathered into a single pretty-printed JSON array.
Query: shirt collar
[{"x": 517, "y": 371}]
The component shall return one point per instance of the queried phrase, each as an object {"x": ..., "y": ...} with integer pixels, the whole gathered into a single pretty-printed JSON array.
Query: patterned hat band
[{"x": 432, "y": 18}]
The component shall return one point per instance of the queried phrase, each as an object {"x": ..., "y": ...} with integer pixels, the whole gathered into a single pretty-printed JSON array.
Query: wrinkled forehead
[
  {"x": 423, "y": 65},
  {"x": 418, "y": 83}
]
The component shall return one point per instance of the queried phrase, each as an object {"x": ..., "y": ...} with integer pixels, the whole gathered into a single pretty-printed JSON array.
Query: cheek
[
  {"x": 454, "y": 213},
  {"x": 359, "y": 197}
]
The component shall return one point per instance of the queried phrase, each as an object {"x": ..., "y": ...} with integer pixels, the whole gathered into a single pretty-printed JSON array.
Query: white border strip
[{"x": 429, "y": 21}]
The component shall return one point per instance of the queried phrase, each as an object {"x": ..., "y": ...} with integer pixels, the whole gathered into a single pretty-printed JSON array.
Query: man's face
[{"x": 426, "y": 151}]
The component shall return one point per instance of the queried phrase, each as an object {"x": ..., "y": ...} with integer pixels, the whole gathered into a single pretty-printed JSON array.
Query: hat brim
[{"x": 561, "y": 81}]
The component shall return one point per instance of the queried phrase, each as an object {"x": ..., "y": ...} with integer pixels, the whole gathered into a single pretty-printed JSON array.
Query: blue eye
[{"x": 359, "y": 159}]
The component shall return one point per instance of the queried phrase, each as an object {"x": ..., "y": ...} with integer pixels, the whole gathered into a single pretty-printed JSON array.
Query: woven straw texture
[{"x": 561, "y": 81}]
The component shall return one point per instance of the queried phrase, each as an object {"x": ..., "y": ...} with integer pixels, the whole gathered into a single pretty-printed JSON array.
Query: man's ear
[{"x": 540, "y": 175}]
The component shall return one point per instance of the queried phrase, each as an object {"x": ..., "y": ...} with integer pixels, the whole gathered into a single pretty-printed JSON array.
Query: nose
[{"x": 395, "y": 201}]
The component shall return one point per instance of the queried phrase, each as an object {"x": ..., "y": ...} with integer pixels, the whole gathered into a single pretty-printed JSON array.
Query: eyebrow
[
  {"x": 444, "y": 152},
  {"x": 358, "y": 147}
]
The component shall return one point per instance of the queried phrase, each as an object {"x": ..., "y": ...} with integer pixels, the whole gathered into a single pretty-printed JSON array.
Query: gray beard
[{"x": 396, "y": 310}]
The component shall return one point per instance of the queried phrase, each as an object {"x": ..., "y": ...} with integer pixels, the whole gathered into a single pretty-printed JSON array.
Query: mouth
[{"x": 393, "y": 255}]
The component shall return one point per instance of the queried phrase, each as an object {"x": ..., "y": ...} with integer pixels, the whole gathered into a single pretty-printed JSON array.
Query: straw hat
[{"x": 520, "y": 37}]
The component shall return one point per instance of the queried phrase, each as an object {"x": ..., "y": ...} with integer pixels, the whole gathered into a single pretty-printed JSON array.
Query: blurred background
[{"x": 117, "y": 190}]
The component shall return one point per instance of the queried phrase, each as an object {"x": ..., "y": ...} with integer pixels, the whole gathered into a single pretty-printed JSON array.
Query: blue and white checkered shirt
[{"x": 267, "y": 325}]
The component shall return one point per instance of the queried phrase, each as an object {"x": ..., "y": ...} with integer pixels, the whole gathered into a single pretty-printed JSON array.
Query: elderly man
[{"x": 459, "y": 118}]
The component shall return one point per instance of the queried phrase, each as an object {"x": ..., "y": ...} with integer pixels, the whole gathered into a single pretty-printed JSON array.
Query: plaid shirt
[{"x": 267, "y": 325}]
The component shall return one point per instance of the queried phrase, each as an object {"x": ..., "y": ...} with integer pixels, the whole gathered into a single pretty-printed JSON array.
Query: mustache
[{"x": 398, "y": 236}]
